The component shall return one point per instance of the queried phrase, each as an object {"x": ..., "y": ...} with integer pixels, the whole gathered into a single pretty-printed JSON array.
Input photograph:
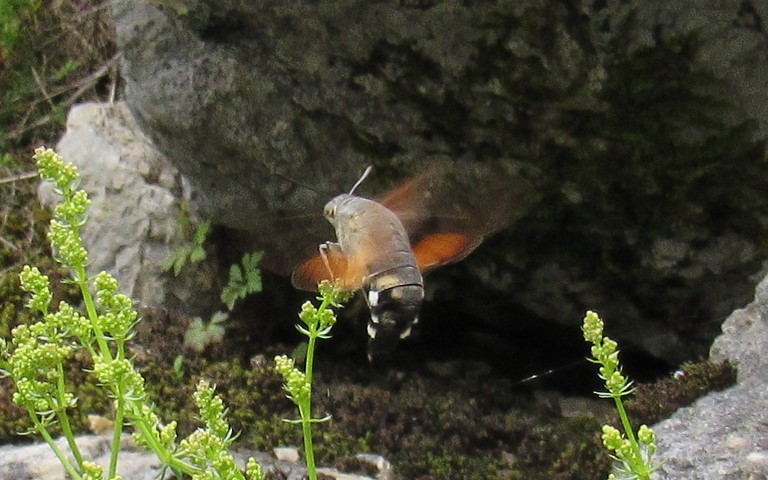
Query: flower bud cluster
[
  {"x": 73, "y": 210},
  {"x": 207, "y": 448},
  {"x": 120, "y": 376},
  {"x": 93, "y": 471},
  {"x": 253, "y": 470},
  {"x": 208, "y": 452},
  {"x": 614, "y": 441},
  {"x": 36, "y": 369},
  {"x": 631, "y": 463},
  {"x": 52, "y": 167},
  {"x": 605, "y": 353},
  {"x": 166, "y": 434},
  {"x": 212, "y": 410},
  {"x": 73, "y": 322},
  {"x": 319, "y": 318},
  {"x": 334, "y": 293},
  {"x": 296, "y": 384},
  {"x": 67, "y": 244},
  {"x": 37, "y": 284},
  {"x": 633, "y": 455},
  {"x": 118, "y": 316}
]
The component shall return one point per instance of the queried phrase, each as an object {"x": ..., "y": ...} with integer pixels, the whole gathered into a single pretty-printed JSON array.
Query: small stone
[
  {"x": 286, "y": 454},
  {"x": 385, "y": 469},
  {"x": 758, "y": 458},
  {"x": 259, "y": 360},
  {"x": 736, "y": 442},
  {"x": 100, "y": 425}
]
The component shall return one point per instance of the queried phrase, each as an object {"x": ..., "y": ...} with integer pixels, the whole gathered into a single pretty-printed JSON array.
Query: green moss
[
  {"x": 450, "y": 465},
  {"x": 428, "y": 427},
  {"x": 652, "y": 403},
  {"x": 12, "y": 419},
  {"x": 12, "y": 302},
  {"x": 567, "y": 448}
]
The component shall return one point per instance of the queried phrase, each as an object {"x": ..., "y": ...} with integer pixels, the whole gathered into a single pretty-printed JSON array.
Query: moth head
[{"x": 332, "y": 207}]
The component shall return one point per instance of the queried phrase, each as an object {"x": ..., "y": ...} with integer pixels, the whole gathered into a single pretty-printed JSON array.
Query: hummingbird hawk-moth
[{"x": 385, "y": 247}]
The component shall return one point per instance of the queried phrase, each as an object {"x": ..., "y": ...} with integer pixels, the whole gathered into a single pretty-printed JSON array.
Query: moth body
[
  {"x": 381, "y": 262},
  {"x": 383, "y": 247}
]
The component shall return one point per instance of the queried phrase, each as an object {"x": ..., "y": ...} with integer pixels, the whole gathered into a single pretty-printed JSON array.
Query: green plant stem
[
  {"x": 630, "y": 433},
  {"x": 81, "y": 278},
  {"x": 626, "y": 424},
  {"x": 61, "y": 413},
  {"x": 117, "y": 433},
  {"x": 306, "y": 430},
  {"x": 306, "y": 410},
  {"x": 147, "y": 435},
  {"x": 120, "y": 409},
  {"x": 641, "y": 468},
  {"x": 71, "y": 470}
]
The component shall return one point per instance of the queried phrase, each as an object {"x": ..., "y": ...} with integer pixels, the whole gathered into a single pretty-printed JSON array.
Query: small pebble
[
  {"x": 382, "y": 464},
  {"x": 286, "y": 454},
  {"x": 759, "y": 457},
  {"x": 100, "y": 425},
  {"x": 737, "y": 443}
]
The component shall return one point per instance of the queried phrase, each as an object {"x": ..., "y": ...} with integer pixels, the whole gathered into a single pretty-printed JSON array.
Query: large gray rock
[
  {"x": 134, "y": 221},
  {"x": 642, "y": 124},
  {"x": 723, "y": 435}
]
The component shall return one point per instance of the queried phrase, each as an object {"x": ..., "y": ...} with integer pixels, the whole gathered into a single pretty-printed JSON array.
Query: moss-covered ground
[{"x": 461, "y": 426}]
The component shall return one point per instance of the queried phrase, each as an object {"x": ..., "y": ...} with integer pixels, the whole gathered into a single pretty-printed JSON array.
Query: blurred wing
[
  {"x": 439, "y": 249},
  {"x": 447, "y": 210},
  {"x": 307, "y": 275},
  {"x": 350, "y": 271},
  {"x": 411, "y": 198},
  {"x": 451, "y": 207}
]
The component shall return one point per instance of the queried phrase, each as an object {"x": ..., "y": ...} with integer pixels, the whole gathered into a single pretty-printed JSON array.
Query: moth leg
[{"x": 326, "y": 249}]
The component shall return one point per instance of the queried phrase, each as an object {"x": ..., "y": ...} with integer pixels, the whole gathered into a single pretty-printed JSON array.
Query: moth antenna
[
  {"x": 273, "y": 171},
  {"x": 362, "y": 177},
  {"x": 298, "y": 182}
]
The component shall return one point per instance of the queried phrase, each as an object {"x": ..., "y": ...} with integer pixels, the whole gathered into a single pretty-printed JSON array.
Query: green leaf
[
  {"x": 235, "y": 274},
  {"x": 198, "y": 254},
  {"x": 200, "y": 334},
  {"x": 178, "y": 367},
  {"x": 243, "y": 281},
  {"x": 201, "y": 233}
]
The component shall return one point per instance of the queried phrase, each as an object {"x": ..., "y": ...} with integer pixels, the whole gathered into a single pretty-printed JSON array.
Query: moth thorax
[{"x": 394, "y": 311}]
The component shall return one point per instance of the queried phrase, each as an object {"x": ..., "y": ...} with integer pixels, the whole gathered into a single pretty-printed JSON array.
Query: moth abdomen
[{"x": 394, "y": 311}]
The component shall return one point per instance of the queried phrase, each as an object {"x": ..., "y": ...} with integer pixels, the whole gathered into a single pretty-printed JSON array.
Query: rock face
[
  {"x": 723, "y": 435},
  {"x": 642, "y": 125},
  {"x": 39, "y": 462},
  {"x": 134, "y": 218}
]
